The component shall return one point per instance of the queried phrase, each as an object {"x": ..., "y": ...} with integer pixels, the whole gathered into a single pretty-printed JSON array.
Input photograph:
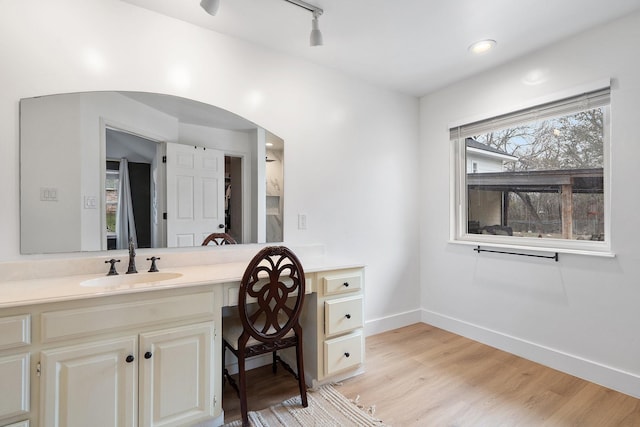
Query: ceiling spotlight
[
  {"x": 482, "y": 46},
  {"x": 315, "y": 39},
  {"x": 210, "y": 6}
]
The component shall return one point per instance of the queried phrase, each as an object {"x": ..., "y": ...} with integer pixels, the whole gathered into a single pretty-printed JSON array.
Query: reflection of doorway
[
  {"x": 141, "y": 154},
  {"x": 233, "y": 197},
  {"x": 140, "y": 179}
]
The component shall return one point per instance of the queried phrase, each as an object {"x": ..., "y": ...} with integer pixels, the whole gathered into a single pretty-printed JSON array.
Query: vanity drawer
[
  {"x": 342, "y": 282},
  {"x": 93, "y": 320},
  {"x": 343, "y": 315},
  {"x": 343, "y": 353},
  {"x": 15, "y": 331},
  {"x": 14, "y": 387}
]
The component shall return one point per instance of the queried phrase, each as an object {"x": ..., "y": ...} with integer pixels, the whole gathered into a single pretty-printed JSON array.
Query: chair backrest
[
  {"x": 219, "y": 239},
  {"x": 271, "y": 295}
]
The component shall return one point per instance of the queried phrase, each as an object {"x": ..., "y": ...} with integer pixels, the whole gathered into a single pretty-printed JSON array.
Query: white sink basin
[{"x": 129, "y": 279}]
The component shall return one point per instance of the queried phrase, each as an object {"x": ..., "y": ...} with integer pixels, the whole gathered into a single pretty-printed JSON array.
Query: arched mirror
[{"x": 99, "y": 167}]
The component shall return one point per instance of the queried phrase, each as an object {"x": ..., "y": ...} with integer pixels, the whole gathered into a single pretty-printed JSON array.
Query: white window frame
[{"x": 568, "y": 102}]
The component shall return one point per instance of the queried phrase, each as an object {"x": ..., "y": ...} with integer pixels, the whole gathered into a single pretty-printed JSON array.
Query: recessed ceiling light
[{"x": 482, "y": 46}]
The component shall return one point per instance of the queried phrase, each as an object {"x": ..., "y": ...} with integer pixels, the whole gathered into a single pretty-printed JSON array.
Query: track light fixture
[
  {"x": 210, "y": 6},
  {"x": 315, "y": 39}
]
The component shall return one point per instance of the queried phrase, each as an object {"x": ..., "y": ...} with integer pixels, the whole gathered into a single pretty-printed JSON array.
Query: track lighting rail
[{"x": 303, "y": 4}]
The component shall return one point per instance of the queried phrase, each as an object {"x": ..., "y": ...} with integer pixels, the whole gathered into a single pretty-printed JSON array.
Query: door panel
[
  {"x": 195, "y": 194},
  {"x": 175, "y": 376},
  {"x": 90, "y": 385}
]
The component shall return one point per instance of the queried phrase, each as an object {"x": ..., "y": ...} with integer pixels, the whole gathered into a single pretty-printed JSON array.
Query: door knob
[{"x": 220, "y": 225}]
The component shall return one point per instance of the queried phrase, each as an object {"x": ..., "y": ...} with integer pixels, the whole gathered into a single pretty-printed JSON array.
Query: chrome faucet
[{"x": 132, "y": 257}]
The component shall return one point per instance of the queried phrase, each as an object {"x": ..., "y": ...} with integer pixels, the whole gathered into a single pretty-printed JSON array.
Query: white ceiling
[{"x": 413, "y": 46}]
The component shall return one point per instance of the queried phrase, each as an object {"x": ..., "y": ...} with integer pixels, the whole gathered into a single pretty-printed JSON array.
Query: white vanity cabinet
[
  {"x": 145, "y": 359},
  {"x": 167, "y": 373},
  {"x": 333, "y": 323},
  {"x": 79, "y": 352}
]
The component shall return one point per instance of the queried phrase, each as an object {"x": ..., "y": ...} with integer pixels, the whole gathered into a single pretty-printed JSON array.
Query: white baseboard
[
  {"x": 388, "y": 323},
  {"x": 624, "y": 382}
]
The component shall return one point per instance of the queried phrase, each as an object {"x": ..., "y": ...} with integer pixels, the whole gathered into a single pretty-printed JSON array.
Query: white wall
[
  {"x": 56, "y": 167},
  {"x": 580, "y": 314},
  {"x": 350, "y": 147}
]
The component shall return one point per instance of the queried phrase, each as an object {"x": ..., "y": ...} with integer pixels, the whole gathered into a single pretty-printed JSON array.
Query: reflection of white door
[{"x": 195, "y": 194}]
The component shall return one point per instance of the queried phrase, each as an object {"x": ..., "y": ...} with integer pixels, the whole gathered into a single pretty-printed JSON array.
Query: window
[
  {"x": 536, "y": 177},
  {"x": 112, "y": 183}
]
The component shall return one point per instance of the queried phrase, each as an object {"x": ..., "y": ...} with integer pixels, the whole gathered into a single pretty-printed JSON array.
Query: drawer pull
[
  {"x": 347, "y": 354},
  {"x": 345, "y": 284},
  {"x": 148, "y": 355},
  {"x": 348, "y": 316},
  {"x": 130, "y": 359}
]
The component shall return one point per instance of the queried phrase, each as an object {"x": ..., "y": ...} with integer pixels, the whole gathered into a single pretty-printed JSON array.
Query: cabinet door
[
  {"x": 176, "y": 385},
  {"x": 14, "y": 385},
  {"x": 90, "y": 385}
]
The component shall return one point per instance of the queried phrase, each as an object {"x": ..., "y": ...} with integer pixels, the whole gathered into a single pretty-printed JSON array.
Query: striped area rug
[{"x": 326, "y": 407}]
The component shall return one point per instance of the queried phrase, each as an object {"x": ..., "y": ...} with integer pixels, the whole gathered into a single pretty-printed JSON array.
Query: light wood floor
[{"x": 423, "y": 376}]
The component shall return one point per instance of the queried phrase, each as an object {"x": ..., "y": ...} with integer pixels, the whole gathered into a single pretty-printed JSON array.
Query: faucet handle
[
  {"x": 153, "y": 260},
  {"x": 112, "y": 269}
]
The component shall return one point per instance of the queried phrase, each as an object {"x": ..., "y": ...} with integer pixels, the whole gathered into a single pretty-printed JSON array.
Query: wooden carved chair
[
  {"x": 269, "y": 305},
  {"x": 219, "y": 239}
]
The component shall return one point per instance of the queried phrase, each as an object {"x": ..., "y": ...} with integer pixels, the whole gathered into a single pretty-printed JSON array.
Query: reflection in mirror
[{"x": 98, "y": 167}]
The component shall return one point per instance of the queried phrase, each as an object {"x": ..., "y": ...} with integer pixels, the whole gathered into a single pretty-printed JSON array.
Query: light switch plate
[
  {"x": 302, "y": 221},
  {"x": 90, "y": 202},
  {"x": 48, "y": 194}
]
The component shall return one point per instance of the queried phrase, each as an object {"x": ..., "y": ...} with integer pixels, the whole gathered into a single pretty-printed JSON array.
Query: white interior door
[{"x": 195, "y": 194}]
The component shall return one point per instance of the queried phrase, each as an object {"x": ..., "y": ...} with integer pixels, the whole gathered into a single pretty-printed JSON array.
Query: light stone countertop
[{"x": 16, "y": 293}]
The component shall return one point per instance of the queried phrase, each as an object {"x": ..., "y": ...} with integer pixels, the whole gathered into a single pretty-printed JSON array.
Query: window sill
[{"x": 597, "y": 249}]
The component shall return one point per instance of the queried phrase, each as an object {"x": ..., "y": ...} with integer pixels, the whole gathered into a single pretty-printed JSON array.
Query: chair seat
[{"x": 232, "y": 329}]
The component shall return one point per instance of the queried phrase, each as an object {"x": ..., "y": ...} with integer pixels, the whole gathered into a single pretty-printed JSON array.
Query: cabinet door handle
[
  {"x": 130, "y": 358},
  {"x": 347, "y": 354},
  {"x": 348, "y": 316},
  {"x": 148, "y": 355},
  {"x": 345, "y": 284}
]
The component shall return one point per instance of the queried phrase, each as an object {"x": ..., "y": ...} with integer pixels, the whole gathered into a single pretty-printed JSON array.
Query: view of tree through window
[
  {"x": 542, "y": 179},
  {"x": 112, "y": 184}
]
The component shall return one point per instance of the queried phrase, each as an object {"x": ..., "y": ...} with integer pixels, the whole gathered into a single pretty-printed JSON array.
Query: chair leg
[
  {"x": 242, "y": 385},
  {"x": 301, "y": 382}
]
